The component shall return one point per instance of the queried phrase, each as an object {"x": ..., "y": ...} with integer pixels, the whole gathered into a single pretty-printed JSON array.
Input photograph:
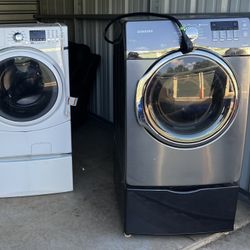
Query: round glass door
[
  {"x": 188, "y": 100},
  {"x": 28, "y": 89}
]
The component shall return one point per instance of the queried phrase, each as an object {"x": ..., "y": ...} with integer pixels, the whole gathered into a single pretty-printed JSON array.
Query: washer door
[
  {"x": 187, "y": 100},
  {"x": 30, "y": 86}
]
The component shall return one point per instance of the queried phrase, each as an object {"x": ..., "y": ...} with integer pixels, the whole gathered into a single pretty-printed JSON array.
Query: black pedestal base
[{"x": 173, "y": 212}]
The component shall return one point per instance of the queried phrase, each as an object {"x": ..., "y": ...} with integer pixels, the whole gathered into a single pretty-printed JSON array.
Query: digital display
[
  {"x": 37, "y": 35},
  {"x": 225, "y": 25}
]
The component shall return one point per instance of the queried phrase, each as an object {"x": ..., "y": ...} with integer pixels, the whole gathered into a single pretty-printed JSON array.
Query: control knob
[
  {"x": 192, "y": 32},
  {"x": 18, "y": 37}
]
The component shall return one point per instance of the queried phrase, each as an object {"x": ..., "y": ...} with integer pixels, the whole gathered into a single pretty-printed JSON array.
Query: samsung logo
[{"x": 144, "y": 31}]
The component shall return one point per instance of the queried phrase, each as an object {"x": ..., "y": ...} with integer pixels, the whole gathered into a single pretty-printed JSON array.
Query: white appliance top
[{"x": 37, "y": 35}]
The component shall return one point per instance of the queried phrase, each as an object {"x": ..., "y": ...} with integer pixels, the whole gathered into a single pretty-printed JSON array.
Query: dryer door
[
  {"x": 30, "y": 86},
  {"x": 187, "y": 100}
]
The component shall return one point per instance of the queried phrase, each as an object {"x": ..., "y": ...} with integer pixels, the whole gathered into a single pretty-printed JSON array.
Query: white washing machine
[{"x": 35, "y": 130}]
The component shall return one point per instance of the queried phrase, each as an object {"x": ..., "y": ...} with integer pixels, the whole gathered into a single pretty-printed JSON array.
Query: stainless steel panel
[{"x": 152, "y": 163}]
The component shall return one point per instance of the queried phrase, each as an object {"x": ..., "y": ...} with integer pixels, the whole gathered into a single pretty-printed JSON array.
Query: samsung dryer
[
  {"x": 35, "y": 130},
  {"x": 180, "y": 124}
]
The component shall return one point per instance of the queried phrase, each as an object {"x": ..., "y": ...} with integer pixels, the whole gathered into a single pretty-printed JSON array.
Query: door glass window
[
  {"x": 28, "y": 89},
  {"x": 187, "y": 96}
]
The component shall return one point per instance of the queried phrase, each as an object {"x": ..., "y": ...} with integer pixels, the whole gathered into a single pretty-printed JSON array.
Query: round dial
[
  {"x": 192, "y": 32},
  {"x": 18, "y": 37}
]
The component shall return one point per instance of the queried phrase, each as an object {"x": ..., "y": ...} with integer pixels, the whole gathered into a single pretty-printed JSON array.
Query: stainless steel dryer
[{"x": 180, "y": 124}]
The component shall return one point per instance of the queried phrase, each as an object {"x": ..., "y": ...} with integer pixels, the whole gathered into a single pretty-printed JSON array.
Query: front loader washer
[
  {"x": 180, "y": 124},
  {"x": 35, "y": 127}
]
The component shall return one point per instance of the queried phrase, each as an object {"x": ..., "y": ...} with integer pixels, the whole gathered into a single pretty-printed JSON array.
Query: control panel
[
  {"x": 226, "y": 30},
  {"x": 157, "y": 36},
  {"x": 42, "y": 36},
  {"x": 33, "y": 36}
]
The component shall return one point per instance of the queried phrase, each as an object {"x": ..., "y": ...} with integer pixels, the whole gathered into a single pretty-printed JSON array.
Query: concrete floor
[
  {"x": 88, "y": 218},
  {"x": 238, "y": 240}
]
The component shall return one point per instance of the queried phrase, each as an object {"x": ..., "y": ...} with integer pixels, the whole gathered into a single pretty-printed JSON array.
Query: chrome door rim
[{"x": 173, "y": 139}]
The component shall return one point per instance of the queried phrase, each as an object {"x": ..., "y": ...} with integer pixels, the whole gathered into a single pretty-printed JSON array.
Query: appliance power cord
[{"x": 186, "y": 44}]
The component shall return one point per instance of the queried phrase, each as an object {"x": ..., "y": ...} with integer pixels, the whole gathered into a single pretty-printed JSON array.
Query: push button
[
  {"x": 244, "y": 25},
  {"x": 223, "y": 35},
  {"x": 245, "y": 34},
  {"x": 215, "y": 35},
  {"x": 236, "y": 34},
  {"x": 230, "y": 35}
]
